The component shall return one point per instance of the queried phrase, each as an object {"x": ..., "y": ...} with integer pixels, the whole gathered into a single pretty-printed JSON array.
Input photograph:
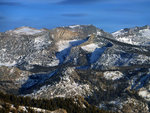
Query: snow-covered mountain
[
  {"x": 134, "y": 36},
  {"x": 110, "y": 71}
]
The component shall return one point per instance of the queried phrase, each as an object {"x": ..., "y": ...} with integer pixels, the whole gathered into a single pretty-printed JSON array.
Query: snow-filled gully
[{"x": 67, "y": 45}]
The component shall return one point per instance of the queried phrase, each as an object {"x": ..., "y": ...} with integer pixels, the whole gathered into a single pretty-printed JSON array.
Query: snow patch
[
  {"x": 99, "y": 33},
  {"x": 90, "y": 47},
  {"x": 9, "y": 64},
  {"x": 4, "y": 50},
  {"x": 113, "y": 75},
  {"x": 145, "y": 94},
  {"x": 118, "y": 33},
  {"x": 63, "y": 44},
  {"x": 27, "y": 31},
  {"x": 23, "y": 108},
  {"x": 74, "y": 26},
  {"x": 145, "y": 33},
  {"x": 39, "y": 110},
  {"x": 38, "y": 40},
  {"x": 125, "y": 39}
]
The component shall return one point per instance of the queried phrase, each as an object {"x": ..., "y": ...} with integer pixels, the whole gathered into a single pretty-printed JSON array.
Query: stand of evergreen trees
[{"x": 53, "y": 104}]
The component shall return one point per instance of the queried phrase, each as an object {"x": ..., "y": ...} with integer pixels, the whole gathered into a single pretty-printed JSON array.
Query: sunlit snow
[
  {"x": 27, "y": 31},
  {"x": 90, "y": 47},
  {"x": 113, "y": 75},
  {"x": 145, "y": 33},
  {"x": 73, "y": 26},
  {"x": 9, "y": 64}
]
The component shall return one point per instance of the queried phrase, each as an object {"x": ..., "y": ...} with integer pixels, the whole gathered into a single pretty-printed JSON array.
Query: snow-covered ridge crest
[
  {"x": 78, "y": 26},
  {"x": 135, "y": 36},
  {"x": 145, "y": 33},
  {"x": 25, "y": 31},
  {"x": 74, "y": 26},
  {"x": 127, "y": 31},
  {"x": 120, "y": 32}
]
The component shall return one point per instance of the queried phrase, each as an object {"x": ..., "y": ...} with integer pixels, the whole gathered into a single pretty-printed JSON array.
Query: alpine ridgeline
[{"x": 111, "y": 71}]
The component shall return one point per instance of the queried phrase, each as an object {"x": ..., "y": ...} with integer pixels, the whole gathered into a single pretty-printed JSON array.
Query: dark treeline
[{"x": 52, "y": 104}]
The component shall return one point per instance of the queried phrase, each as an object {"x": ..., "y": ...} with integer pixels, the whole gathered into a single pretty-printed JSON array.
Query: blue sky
[{"x": 109, "y": 15}]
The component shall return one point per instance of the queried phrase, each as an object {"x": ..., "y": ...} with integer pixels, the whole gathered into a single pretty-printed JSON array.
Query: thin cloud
[
  {"x": 10, "y": 4},
  {"x": 75, "y": 15}
]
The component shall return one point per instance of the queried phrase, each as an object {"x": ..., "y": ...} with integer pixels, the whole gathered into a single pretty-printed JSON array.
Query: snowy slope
[
  {"x": 90, "y": 47},
  {"x": 135, "y": 36},
  {"x": 26, "y": 31}
]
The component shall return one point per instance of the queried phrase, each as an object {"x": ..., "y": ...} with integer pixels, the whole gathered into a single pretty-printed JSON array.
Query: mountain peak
[{"x": 25, "y": 30}]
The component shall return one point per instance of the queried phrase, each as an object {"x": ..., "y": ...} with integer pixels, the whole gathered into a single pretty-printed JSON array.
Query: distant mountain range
[{"x": 111, "y": 71}]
